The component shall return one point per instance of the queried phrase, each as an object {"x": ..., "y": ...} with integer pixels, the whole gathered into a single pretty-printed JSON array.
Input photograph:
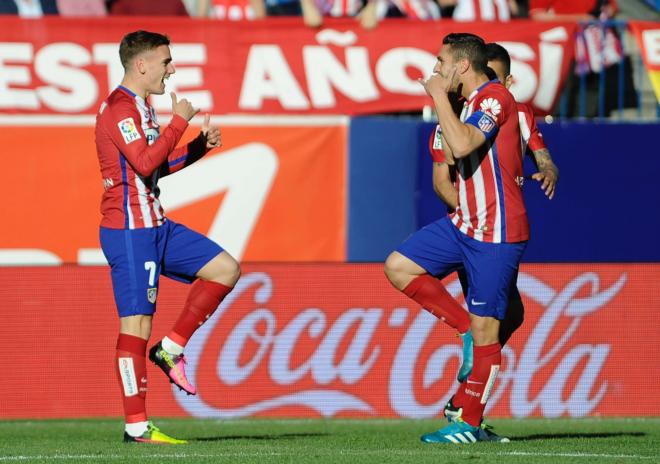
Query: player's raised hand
[
  {"x": 212, "y": 133},
  {"x": 548, "y": 179},
  {"x": 438, "y": 83},
  {"x": 183, "y": 107}
]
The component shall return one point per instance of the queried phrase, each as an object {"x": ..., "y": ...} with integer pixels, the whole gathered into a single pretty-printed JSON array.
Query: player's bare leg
[
  {"x": 215, "y": 280},
  {"x": 413, "y": 280}
]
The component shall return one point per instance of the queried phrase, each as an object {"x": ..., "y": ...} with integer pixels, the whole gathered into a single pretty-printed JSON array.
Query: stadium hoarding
[
  {"x": 647, "y": 34},
  {"x": 275, "y": 66},
  {"x": 335, "y": 340},
  {"x": 273, "y": 186}
]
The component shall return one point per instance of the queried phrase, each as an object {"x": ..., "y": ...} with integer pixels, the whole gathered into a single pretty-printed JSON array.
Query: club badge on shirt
[
  {"x": 128, "y": 130},
  {"x": 151, "y": 294},
  {"x": 486, "y": 124}
]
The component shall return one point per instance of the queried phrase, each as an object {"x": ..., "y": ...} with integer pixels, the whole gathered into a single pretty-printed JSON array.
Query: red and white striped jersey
[
  {"x": 339, "y": 8},
  {"x": 490, "y": 202},
  {"x": 133, "y": 155},
  {"x": 412, "y": 9},
  {"x": 234, "y": 10},
  {"x": 530, "y": 135},
  {"x": 482, "y": 10}
]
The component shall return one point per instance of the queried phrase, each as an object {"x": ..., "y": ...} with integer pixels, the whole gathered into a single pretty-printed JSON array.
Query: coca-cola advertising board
[
  {"x": 274, "y": 66},
  {"x": 335, "y": 340}
]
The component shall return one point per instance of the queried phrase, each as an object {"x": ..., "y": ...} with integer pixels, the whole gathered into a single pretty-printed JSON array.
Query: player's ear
[
  {"x": 463, "y": 65},
  {"x": 140, "y": 65},
  {"x": 508, "y": 81}
]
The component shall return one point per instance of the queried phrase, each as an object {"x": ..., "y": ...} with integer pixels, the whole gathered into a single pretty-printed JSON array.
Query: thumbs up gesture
[
  {"x": 183, "y": 107},
  {"x": 212, "y": 133}
]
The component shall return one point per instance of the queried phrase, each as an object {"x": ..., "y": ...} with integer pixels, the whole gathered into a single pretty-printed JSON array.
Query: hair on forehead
[
  {"x": 138, "y": 42},
  {"x": 464, "y": 45}
]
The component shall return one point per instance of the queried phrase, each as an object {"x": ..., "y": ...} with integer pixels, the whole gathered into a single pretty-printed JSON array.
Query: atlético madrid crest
[{"x": 151, "y": 294}]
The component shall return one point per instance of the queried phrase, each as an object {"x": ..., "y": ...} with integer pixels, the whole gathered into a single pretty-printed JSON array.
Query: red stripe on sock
[
  {"x": 485, "y": 357},
  {"x": 133, "y": 348},
  {"x": 132, "y": 344},
  {"x": 203, "y": 300},
  {"x": 434, "y": 297}
]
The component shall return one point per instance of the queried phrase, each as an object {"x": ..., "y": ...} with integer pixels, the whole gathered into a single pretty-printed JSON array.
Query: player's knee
[
  {"x": 230, "y": 271},
  {"x": 393, "y": 267},
  {"x": 235, "y": 271}
]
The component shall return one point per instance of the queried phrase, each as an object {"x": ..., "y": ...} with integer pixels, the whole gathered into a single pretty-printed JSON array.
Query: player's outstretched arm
[
  {"x": 548, "y": 173},
  {"x": 209, "y": 138}
]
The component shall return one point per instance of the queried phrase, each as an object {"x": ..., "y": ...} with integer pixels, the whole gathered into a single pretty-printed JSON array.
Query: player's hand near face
[
  {"x": 183, "y": 107},
  {"x": 212, "y": 134},
  {"x": 438, "y": 83}
]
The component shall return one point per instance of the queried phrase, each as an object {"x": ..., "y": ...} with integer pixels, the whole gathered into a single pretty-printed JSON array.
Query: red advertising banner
[
  {"x": 277, "y": 66},
  {"x": 272, "y": 193},
  {"x": 647, "y": 34},
  {"x": 335, "y": 340}
]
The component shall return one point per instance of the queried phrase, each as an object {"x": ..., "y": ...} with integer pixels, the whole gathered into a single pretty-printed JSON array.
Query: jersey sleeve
[
  {"x": 185, "y": 155},
  {"x": 124, "y": 128},
  {"x": 535, "y": 141},
  {"x": 435, "y": 146},
  {"x": 489, "y": 113}
]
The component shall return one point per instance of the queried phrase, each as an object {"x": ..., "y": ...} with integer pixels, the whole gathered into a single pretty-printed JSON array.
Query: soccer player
[
  {"x": 444, "y": 176},
  {"x": 488, "y": 232},
  {"x": 139, "y": 242}
]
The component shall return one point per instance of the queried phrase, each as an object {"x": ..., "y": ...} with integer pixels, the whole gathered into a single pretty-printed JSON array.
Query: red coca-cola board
[{"x": 335, "y": 340}]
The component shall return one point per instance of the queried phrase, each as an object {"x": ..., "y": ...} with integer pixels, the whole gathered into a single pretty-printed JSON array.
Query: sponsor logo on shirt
[
  {"x": 128, "y": 130},
  {"x": 491, "y": 107}
]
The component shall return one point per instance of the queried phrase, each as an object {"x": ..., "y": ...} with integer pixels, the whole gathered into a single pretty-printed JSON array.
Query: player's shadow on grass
[
  {"x": 559, "y": 436},
  {"x": 281, "y": 436}
]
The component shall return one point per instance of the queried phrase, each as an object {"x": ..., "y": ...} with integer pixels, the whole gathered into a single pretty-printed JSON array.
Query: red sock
[
  {"x": 459, "y": 397},
  {"x": 480, "y": 383},
  {"x": 132, "y": 375},
  {"x": 434, "y": 297},
  {"x": 203, "y": 300}
]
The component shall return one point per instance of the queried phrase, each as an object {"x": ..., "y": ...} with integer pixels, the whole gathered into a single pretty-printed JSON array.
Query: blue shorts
[
  {"x": 138, "y": 257},
  {"x": 440, "y": 248}
]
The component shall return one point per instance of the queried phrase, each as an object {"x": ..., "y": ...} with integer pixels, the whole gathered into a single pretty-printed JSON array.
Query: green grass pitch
[{"x": 556, "y": 441}]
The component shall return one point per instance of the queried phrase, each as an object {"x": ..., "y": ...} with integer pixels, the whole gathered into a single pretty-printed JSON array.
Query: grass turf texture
[{"x": 332, "y": 441}]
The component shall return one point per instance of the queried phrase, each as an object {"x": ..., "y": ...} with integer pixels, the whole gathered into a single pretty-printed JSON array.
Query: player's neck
[
  {"x": 471, "y": 83},
  {"x": 134, "y": 87}
]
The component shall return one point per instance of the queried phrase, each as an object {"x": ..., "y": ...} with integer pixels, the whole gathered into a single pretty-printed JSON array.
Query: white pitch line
[
  {"x": 574, "y": 455},
  {"x": 450, "y": 448}
]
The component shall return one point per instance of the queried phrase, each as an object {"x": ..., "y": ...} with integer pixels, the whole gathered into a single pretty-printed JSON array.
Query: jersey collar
[{"x": 481, "y": 87}]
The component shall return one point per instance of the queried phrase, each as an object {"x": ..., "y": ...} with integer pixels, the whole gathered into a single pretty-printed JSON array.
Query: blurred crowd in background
[
  {"x": 367, "y": 12},
  {"x": 600, "y": 43}
]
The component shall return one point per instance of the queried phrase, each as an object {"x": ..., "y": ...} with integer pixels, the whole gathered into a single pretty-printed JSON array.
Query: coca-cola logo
[{"x": 254, "y": 357}]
